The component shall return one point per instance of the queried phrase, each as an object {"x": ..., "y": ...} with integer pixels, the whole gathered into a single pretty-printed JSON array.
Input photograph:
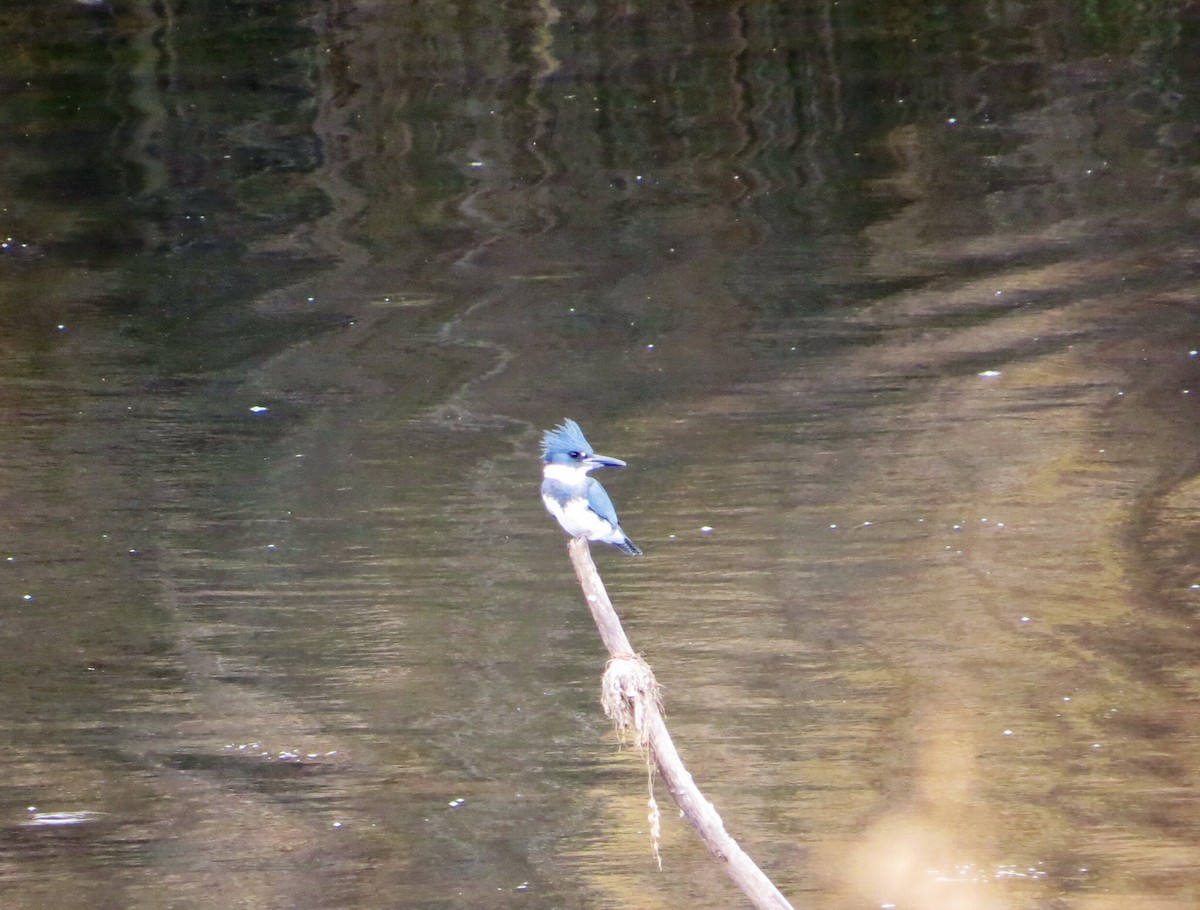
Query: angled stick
[{"x": 631, "y": 699}]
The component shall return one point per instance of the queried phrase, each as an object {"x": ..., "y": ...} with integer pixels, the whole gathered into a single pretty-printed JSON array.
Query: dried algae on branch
[{"x": 631, "y": 698}]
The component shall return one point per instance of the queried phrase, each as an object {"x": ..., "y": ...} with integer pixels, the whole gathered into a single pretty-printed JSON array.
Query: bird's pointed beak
[{"x": 603, "y": 461}]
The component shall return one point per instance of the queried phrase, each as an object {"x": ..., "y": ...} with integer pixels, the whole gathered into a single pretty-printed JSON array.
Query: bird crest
[{"x": 566, "y": 437}]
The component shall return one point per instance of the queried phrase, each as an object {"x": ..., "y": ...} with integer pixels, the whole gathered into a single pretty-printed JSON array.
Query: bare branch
[{"x": 631, "y": 697}]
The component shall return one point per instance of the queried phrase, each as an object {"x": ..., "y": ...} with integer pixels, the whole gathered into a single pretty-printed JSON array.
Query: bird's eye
[{"x": 576, "y": 455}]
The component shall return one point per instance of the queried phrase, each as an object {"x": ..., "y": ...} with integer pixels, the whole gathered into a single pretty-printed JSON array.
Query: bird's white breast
[
  {"x": 577, "y": 519},
  {"x": 575, "y": 515}
]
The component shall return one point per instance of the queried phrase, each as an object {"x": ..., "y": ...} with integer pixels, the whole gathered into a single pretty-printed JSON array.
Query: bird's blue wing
[{"x": 599, "y": 502}]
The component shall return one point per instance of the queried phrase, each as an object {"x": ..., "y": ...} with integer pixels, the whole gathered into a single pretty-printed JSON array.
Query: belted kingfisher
[{"x": 576, "y": 500}]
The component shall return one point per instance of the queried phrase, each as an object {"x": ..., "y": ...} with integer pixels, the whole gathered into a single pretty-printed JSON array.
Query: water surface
[{"x": 891, "y": 312}]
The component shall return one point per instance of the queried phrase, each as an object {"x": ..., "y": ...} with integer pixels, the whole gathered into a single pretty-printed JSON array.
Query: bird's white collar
[{"x": 565, "y": 473}]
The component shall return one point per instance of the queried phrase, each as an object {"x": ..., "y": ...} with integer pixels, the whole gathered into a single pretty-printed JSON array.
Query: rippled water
[{"x": 891, "y": 312}]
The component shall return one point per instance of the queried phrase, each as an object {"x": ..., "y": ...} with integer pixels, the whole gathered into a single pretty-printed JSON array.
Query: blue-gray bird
[{"x": 576, "y": 500}]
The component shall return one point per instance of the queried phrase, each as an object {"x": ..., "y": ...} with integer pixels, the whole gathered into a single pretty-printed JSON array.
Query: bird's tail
[{"x": 628, "y": 547}]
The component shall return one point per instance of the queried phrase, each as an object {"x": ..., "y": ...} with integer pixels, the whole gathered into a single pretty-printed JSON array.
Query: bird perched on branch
[{"x": 577, "y": 501}]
